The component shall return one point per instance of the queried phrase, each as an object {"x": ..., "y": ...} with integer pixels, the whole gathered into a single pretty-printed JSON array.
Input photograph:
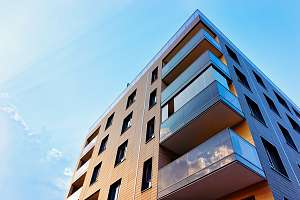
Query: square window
[
  {"x": 288, "y": 138},
  {"x": 114, "y": 190},
  {"x": 109, "y": 121},
  {"x": 232, "y": 54},
  {"x": 127, "y": 123},
  {"x": 242, "y": 78},
  {"x": 103, "y": 145},
  {"x": 95, "y": 174},
  {"x": 255, "y": 111},
  {"x": 294, "y": 124},
  {"x": 154, "y": 75},
  {"x": 150, "y": 129},
  {"x": 271, "y": 105},
  {"x": 131, "y": 99},
  {"x": 259, "y": 80},
  {"x": 121, "y": 153},
  {"x": 282, "y": 101},
  {"x": 152, "y": 99},
  {"x": 274, "y": 157},
  {"x": 147, "y": 174}
]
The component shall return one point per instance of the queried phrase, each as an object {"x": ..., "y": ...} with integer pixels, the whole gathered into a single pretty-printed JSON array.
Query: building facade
[{"x": 200, "y": 121}]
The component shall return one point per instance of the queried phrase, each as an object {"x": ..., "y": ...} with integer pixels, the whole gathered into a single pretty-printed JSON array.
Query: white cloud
[
  {"x": 61, "y": 183},
  {"x": 15, "y": 115},
  {"x": 54, "y": 153},
  {"x": 68, "y": 171}
]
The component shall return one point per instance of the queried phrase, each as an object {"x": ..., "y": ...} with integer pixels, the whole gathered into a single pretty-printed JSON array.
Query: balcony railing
[
  {"x": 198, "y": 66},
  {"x": 199, "y": 37},
  {"x": 81, "y": 170},
  {"x": 75, "y": 195},
  {"x": 203, "y": 101},
  {"x": 88, "y": 147},
  {"x": 214, "y": 154}
]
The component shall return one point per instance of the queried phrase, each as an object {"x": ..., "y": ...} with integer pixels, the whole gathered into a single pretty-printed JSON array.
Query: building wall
[{"x": 130, "y": 170}]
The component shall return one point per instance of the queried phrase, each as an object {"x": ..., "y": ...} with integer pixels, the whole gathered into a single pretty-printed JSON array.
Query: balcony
[
  {"x": 198, "y": 44},
  {"x": 206, "y": 60},
  {"x": 75, "y": 195},
  {"x": 223, "y": 164},
  {"x": 88, "y": 147},
  {"x": 211, "y": 110},
  {"x": 81, "y": 170}
]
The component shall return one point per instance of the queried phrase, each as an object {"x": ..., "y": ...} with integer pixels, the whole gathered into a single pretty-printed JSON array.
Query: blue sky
[{"x": 62, "y": 62}]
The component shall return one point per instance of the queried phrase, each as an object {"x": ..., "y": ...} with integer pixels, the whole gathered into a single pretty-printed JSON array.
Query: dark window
[
  {"x": 127, "y": 123},
  {"x": 109, "y": 121},
  {"x": 150, "y": 129},
  {"x": 287, "y": 136},
  {"x": 274, "y": 157},
  {"x": 255, "y": 111},
  {"x": 296, "y": 112},
  {"x": 94, "y": 135},
  {"x": 103, "y": 144},
  {"x": 249, "y": 198},
  {"x": 152, "y": 99},
  {"x": 154, "y": 75},
  {"x": 271, "y": 104},
  {"x": 242, "y": 78},
  {"x": 259, "y": 80},
  {"x": 282, "y": 101},
  {"x": 94, "y": 196},
  {"x": 131, "y": 99},
  {"x": 114, "y": 190},
  {"x": 147, "y": 174},
  {"x": 121, "y": 153},
  {"x": 95, "y": 173},
  {"x": 232, "y": 55},
  {"x": 294, "y": 124}
]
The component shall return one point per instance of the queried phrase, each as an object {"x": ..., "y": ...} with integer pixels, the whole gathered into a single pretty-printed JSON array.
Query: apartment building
[{"x": 200, "y": 121}]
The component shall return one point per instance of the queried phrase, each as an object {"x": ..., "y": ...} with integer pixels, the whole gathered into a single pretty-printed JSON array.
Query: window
[
  {"x": 131, "y": 99},
  {"x": 95, "y": 173},
  {"x": 152, "y": 99},
  {"x": 274, "y": 157},
  {"x": 242, "y": 78},
  {"x": 126, "y": 123},
  {"x": 154, "y": 75},
  {"x": 109, "y": 121},
  {"x": 294, "y": 124},
  {"x": 259, "y": 80},
  {"x": 287, "y": 136},
  {"x": 150, "y": 129},
  {"x": 114, "y": 190},
  {"x": 120, "y": 157},
  {"x": 103, "y": 145},
  {"x": 232, "y": 55},
  {"x": 271, "y": 104},
  {"x": 296, "y": 112},
  {"x": 249, "y": 198},
  {"x": 255, "y": 111},
  {"x": 147, "y": 174},
  {"x": 282, "y": 101}
]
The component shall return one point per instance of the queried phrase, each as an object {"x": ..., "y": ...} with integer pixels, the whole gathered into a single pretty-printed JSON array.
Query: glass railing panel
[
  {"x": 89, "y": 146},
  {"x": 75, "y": 195},
  {"x": 192, "y": 71},
  {"x": 186, "y": 49},
  {"x": 81, "y": 170},
  {"x": 202, "y": 160},
  {"x": 209, "y": 156},
  {"x": 202, "y": 101}
]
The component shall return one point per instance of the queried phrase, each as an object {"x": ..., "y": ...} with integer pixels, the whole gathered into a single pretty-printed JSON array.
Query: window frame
[
  {"x": 128, "y": 121},
  {"x": 146, "y": 181},
  {"x": 131, "y": 99},
  {"x": 151, "y": 122},
  {"x": 123, "y": 147},
  {"x": 153, "y": 94},
  {"x": 109, "y": 121},
  {"x": 101, "y": 149}
]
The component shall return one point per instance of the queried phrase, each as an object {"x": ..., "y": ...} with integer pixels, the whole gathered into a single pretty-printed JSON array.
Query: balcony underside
[
  {"x": 214, "y": 185},
  {"x": 215, "y": 118}
]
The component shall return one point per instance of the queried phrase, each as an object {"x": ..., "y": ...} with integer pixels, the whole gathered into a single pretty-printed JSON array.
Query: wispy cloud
[
  {"x": 13, "y": 113},
  {"x": 54, "y": 153},
  {"x": 68, "y": 171}
]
